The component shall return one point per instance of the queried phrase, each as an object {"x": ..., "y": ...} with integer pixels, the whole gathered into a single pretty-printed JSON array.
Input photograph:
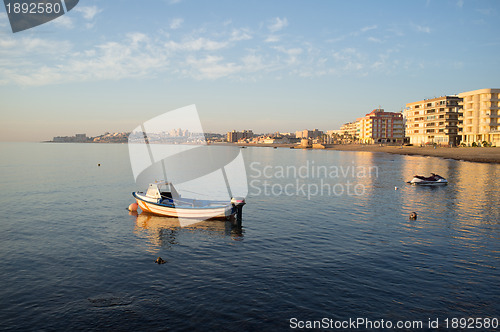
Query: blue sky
[{"x": 261, "y": 65}]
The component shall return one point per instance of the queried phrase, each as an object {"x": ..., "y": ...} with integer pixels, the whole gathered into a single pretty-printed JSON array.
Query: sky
[{"x": 108, "y": 66}]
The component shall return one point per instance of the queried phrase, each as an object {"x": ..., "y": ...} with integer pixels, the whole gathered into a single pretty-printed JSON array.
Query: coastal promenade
[{"x": 475, "y": 154}]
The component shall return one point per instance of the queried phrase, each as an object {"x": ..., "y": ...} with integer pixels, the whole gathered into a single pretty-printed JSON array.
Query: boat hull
[
  {"x": 203, "y": 213},
  {"x": 419, "y": 182}
]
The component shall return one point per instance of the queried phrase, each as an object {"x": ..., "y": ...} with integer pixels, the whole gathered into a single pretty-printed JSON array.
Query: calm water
[{"x": 73, "y": 258}]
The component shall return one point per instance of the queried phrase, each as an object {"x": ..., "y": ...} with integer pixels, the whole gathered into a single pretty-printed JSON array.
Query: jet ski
[{"x": 433, "y": 180}]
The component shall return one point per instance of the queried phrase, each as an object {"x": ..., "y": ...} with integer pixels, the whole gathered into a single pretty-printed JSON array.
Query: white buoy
[{"x": 133, "y": 207}]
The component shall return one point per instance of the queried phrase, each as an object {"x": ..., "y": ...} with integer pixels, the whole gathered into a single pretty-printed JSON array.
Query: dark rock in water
[
  {"x": 413, "y": 216},
  {"x": 160, "y": 260}
]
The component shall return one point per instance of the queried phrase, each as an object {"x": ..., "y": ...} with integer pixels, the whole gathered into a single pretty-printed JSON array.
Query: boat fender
[
  {"x": 413, "y": 216},
  {"x": 133, "y": 207}
]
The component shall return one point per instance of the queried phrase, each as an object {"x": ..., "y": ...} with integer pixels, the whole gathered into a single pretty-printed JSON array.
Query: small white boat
[
  {"x": 433, "y": 180},
  {"x": 162, "y": 199}
]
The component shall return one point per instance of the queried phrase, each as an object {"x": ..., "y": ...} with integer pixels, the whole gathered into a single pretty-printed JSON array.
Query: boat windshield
[
  {"x": 162, "y": 190},
  {"x": 153, "y": 191}
]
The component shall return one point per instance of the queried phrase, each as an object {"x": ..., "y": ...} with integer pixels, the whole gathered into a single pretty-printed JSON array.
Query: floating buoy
[
  {"x": 98, "y": 165},
  {"x": 133, "y": 207},
  {"x": 160, "y": 260},
  {"x": 413, "y": 216},
  {"x": 395, "y": 188}
]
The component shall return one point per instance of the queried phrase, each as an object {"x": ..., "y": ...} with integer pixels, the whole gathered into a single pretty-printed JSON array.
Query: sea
[{"x": 325, "y": 242}]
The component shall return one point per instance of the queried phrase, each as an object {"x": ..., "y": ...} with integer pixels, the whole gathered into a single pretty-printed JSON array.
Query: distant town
[{"x": 468, "y": 119}]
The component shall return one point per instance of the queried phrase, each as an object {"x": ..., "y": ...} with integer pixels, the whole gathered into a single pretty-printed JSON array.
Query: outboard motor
[{"x": 238, "y": 203}]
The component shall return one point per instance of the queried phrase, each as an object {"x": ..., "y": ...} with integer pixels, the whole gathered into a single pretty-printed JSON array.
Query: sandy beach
[
  {"x": 484, "y": 155},
  {"x": 475, "y": 154}
]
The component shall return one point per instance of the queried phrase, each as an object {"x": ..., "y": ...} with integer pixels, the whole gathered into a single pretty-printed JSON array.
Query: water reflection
[
  {"x": 470, "y": 193},
  {"x": 165, "y": 231},
  {"x": 466, "y": 209}
]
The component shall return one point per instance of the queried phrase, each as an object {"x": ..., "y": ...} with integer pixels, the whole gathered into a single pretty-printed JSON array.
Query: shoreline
[
  {"x": 489, "y": 155},
  {"x": 474, "y": 154}
]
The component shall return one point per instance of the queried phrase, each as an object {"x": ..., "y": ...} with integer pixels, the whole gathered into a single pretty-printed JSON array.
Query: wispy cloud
[
  {"x": 3, "y": 20},
  {"x": 374, "y": 40},
  {"x": 199, "y": 54},
  {"x": 486, "y": 11},
  {"x": 176, "y": 23},
  {"x": 421, "y": 28},
  {"x": 210, "y": 67},
  {"x": 198, "y": 44},
  {"x": 278, "y": 24},
  {"x": 108, "y": 61},
  {"x": 336, "y": 39},
  {"x": 368, "y": 28},
  {"x": 88, "y": 12},
  {"x": 363, "y": 30},
  {"x": 395, "y": 30},
  {"x": 272, "y": 39},
  {"x": 240, "y": 34},
  {"x": 31, "y": 46},
  {"x": 351, "y": 34},
  {"x": 349, "y": 59},
  {"x": 254, "y": 63},
  {"x": 292, "y": 54},
  {"x": 63, "y": 21},
  {"x": 289, "y": 51}
]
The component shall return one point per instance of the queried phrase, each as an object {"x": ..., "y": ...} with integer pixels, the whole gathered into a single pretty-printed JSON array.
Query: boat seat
[{"x": 167, "y": 200}]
